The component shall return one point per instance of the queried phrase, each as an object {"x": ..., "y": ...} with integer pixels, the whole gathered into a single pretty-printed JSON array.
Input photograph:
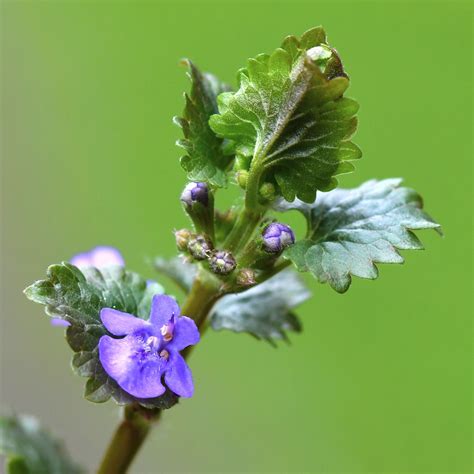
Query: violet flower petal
[
  {"x": 185, "y": 334},
  {"x": 104, "y": 256},
  {"x": 163, "y": 309},
  {"x": 60, "y": 322},
  {"x": 81, "y": 260},
  {"x": 121, "y": 324},
  {"x": 178, "y": 376},
  {"x": 99, "y": 257},
  {"x": 120, "y": 359}
]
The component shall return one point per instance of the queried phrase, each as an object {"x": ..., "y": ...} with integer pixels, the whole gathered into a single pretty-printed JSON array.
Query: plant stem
[
  {"x": 126, "y": 441},
  {"x": 137, "y": 421},
  {"x": 243, "y": 229}
]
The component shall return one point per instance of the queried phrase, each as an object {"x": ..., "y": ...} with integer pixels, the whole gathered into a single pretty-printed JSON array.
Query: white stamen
[
  {"x": 152, "y": 342},
  {"x": 167, "y": 332}
]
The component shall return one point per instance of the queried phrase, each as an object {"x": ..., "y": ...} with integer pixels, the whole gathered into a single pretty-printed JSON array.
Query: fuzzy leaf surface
[
  {"x": 289, "y": 115},
  {"x": 350, "y": 230},
  {"x": 177, "y": 270},
  {"x": 206, "y": 159},
  {"x": 264, "y": 311},
  {"x": 77, "y": 297},
  {"x": 29, "y": 449}
]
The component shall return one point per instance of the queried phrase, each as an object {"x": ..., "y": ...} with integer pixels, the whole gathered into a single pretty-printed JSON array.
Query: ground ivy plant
[{"x": 283, "y": 135}]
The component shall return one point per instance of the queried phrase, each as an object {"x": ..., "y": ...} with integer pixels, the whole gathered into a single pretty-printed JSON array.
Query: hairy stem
[
  {"x": 137, "y": 421},
  {"x": 243, "y": 229},
  {"x": 126, "y": 441}
]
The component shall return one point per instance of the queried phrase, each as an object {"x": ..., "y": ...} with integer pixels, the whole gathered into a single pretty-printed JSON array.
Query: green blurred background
[{"x": 380, "y": 379}]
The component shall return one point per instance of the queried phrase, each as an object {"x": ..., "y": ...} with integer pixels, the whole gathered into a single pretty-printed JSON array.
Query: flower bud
[
  {"x": 222, "y": 262},
  {"x": 182, "y": 237},
  {"x": 200, "y": 247},
  {"x": 246, "y": 277},
  {"x": 198, "y": 202},
  {"x": 242, "y": 177},
  {"x": 276, "y": 237},
  {"x": 267, "y": 191},
  {"x": 195, "y": 192}
]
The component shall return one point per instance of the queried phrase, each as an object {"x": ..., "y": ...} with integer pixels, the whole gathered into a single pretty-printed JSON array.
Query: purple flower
[
  {"x": 99, "y": 257},
  {"x": 276, "y": 237},
  {"x": 149, "y": 350},
  {"x": 195, "y": 192}
]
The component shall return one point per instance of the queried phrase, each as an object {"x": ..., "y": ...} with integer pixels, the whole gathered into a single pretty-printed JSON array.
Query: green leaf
[
  {"x": 29, "y": 449},
  {"x": 177, "y": 270},
  {"x": 78, "y": 297},
  {"x": 350, "y": 230},
  {"x": 206, "y": 159},
  {"x": 290, "y": 116},
  {"x": 263, "y": 311}
]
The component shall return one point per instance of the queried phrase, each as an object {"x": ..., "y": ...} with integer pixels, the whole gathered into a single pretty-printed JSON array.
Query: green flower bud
[
  {"x": 182, "y": 237},
  {"x": 242, "y": 177},
  {"x": 200, "y": 247},
  {"x": 246, "y": 277},
  {"x": 268, "y": 192}
]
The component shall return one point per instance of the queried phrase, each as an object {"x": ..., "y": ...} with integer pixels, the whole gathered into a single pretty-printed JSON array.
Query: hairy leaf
[
  {"x": 290, "y": 116},
  {"x": 206, "y": 159},
  {"x": 350, "y": 230},
  {"x": 29, "y": 449},
  {"x": 264, "y": 311},
  {"x": 177, "y": 270},
  {"x": 78, "y": 297}
]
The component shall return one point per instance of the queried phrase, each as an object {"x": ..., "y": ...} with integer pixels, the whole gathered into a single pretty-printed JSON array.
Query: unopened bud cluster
[{"x": 259, "y": 255}]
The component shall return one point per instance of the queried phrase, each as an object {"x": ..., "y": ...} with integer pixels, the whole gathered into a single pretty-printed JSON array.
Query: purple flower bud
[
  {"x": 276, "y": 237},
  {"x": 195, "y": 192},
  {"x": 200, "y": 247},
  {"x": 222, "y": 262}
]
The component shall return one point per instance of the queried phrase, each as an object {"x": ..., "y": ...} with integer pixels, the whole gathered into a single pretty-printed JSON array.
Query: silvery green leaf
[
  {"x": 177, "y": 270},
  {"x": 29, "y": 449},
  {"x": 264, "y": 311},
  {"x": 350, "y": 230}
]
